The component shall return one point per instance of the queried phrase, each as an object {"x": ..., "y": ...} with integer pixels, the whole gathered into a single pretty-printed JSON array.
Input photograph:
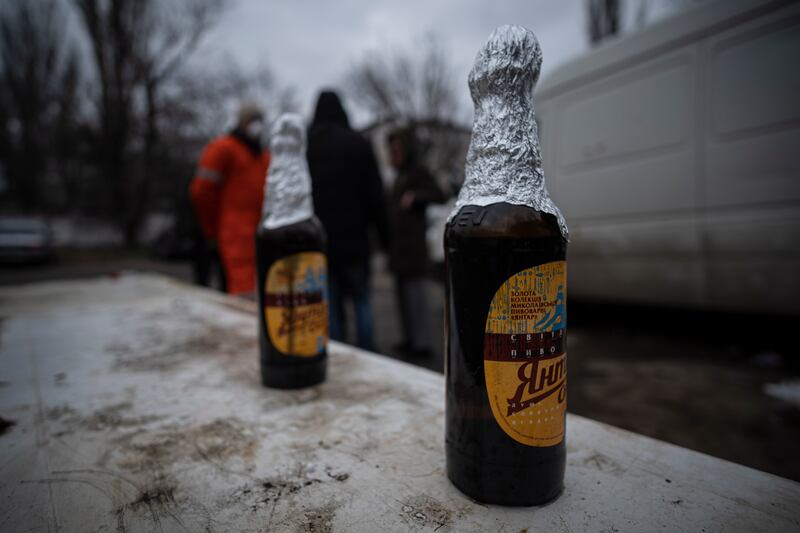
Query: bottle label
[
  {"x": 524, "y": 355},
  {"x": 296, "y": 307}
]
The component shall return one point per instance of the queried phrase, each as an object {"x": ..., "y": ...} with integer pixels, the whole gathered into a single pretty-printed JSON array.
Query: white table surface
[{"x": 138, "y": 407}]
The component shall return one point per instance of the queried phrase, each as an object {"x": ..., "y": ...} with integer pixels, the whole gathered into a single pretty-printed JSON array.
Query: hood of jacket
[{"x": 330, "y": 110}]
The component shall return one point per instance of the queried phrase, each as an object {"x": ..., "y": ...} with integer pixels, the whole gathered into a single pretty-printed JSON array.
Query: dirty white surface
[{"x": 138, "y": 407}]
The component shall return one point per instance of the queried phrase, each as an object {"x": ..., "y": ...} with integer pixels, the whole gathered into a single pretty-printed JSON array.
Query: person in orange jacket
[{"x": 227, "y": 193}]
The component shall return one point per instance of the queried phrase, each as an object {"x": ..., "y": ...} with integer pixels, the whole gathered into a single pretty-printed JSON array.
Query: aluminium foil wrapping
[
  {"x": 287, "y": 197},
  {"x": 504, "y": 160}
]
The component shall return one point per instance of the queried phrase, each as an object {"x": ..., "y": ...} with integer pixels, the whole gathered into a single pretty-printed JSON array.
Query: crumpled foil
[
  {"x": 504, "y": 160},
  {"x": 287, "y": 197}
]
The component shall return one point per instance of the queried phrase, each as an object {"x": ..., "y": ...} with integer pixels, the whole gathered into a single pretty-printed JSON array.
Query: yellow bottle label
[
  {"x": 524, "y": 355},
  {"x": 296, "y": 307}
]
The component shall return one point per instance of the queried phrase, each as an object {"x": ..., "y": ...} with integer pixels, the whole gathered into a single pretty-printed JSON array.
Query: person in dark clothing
[
  {"x": 414, "y": 189},
  {"x": 207, "y": 268},
  {"x": 348, "y": 200}
]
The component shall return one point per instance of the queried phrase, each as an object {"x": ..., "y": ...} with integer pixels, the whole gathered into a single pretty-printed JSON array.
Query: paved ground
[{"x": 694, "y": 379}]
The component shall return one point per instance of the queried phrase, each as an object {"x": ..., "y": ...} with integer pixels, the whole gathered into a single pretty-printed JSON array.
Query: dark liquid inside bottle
[
  {"x": 484, "y": 247},
  {"x": 293, "y": 351}
]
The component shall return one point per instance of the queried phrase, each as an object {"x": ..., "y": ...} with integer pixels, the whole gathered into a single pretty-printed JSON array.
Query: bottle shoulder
[
  {"x": 504, "y": 221},
  {"x": 310, "y": 230}
]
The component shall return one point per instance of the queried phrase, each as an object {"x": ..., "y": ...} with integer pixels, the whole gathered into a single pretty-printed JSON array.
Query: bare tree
[
  {"x": 137, "y": 46},
  {"x": 128, "y": 147},
  {"x": 398, "y": 85},
  {"x": 604, "y": 19},
  {"x": 199, "y": 107},
  {"x": 40, "y": 76}
]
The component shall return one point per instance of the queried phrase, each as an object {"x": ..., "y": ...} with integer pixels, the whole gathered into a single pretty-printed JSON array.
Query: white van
[{"x": 674, "y": 154}]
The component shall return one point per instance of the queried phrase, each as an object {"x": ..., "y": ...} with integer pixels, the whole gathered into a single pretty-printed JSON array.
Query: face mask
[{"x": 254, "y": 129}]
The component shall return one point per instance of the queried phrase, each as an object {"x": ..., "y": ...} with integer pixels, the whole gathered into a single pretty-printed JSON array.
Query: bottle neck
[
  {"x": 504, "y": 159},
  {"x": 288, "y": 192}
]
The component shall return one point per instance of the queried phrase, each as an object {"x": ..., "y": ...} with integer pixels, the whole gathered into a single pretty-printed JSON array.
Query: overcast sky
[{"x": 310, "y": 44}]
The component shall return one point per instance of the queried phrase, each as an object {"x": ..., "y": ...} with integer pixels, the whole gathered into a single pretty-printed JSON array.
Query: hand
[{"x": 407, "y": 200}]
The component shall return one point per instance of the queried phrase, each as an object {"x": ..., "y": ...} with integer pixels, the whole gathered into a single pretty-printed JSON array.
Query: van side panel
[
  {"x": 678, "y": 169},
  {"x": 623, "y": 142},
  {"x": 752, "y": 165},
  {"x": 621, "y": 156},
  {"x": 754, "y": 102},
  {"x": 644, "y": 260}
]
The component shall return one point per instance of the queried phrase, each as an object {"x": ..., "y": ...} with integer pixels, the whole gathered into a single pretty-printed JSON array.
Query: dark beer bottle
[
  {"x": 292, "y": 268},
  {"x": 505, "y": 247}
]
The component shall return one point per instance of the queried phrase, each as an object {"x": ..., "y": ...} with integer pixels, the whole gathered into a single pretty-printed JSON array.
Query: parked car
[{"x": 25, "y": 240}]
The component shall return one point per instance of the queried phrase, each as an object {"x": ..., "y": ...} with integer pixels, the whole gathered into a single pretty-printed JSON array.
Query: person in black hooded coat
[{"x": 348, "y": 200}]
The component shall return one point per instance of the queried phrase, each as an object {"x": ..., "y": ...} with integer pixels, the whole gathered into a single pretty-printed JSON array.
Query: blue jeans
[{"x": 351, "y": 283}]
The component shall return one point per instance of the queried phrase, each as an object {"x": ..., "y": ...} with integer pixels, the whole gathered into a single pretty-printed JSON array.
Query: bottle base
[
  {"x": 295, "y": 376},
  {"x": 511, "y": 485}
]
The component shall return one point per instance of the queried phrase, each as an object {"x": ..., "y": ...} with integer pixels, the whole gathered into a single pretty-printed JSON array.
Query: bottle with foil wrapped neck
[
  {"x": 505, "y": 252},
  {"x": 292, "y": 267}
]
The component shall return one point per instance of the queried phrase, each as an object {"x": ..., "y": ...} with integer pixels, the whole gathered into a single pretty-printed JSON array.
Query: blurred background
[{"x": 669, "y": 130}]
